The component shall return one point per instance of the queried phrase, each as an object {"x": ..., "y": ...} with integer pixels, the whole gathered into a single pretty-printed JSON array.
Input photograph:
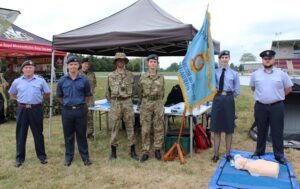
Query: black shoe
[
  {"x": 133, "y": 154},
  {"x": 215, "y": 159},
  {"x": 18, "y": 164},
  {"x": 3, "y": 121},
  {"x": 144, "y": 158},
  {"x": 257, "y": 154},
  {"x": 111, "y": 157},
  {"x": 281, "y": 160},
  {"x": 87, "y": 162},
  {"x": 228, "y": 158},
  {"x": 68, "y": 163},
  {"x": 44, "y": 161},
  {"x": 113, "y": 154},
  {"x": 157, "y": 154}
]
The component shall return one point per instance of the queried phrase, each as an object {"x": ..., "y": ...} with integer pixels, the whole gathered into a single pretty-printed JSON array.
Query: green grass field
[{"x": 124, "y": 172}]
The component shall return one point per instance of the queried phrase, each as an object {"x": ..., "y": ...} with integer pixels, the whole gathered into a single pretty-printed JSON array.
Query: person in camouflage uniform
[
  {"x": 2, "y": 115},
  {"x": 85, "y": 65},
  {"x": 151, "y": 94},
  {"x": 119, "y": 93},
  {"x": 10, "y": 75}
]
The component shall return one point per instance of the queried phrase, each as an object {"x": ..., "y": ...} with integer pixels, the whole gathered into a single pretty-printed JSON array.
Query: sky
[{"x": 241, "y": 26}]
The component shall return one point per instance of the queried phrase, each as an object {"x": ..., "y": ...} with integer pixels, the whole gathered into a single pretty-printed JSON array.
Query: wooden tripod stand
[{"x": 176, "y": 149}]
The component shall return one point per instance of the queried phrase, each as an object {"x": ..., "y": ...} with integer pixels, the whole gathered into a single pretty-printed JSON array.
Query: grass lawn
[{"x": 124, "y": 172}]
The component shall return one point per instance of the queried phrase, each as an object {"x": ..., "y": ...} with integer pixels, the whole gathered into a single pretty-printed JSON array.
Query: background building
[
  {"x": 287, "y": 55},
  {"x": 251, "y": 66}
]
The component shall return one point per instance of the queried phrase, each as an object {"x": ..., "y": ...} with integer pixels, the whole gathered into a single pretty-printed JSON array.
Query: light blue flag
[{"x": 197, "y": 72}]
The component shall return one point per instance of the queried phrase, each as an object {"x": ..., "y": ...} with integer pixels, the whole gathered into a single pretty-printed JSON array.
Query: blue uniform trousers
[
  {"x": 74, "y": 122},
  {"x": 32, "y": 117},
  {"x": 270, "y": 115}
]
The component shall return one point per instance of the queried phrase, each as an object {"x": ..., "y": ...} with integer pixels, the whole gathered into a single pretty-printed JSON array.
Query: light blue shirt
[
  {"x": 231, "y": 80},
  {"x": 29, "y": 91},
  {"x": 269, "y": 87}
]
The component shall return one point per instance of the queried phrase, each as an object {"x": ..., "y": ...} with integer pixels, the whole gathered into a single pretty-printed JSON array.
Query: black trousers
[
  {"x": 273, "y": 116},
  {"x": 74, "y": 122},
  {"x": 2, "y": 116},
  {"x": 32, "y": 117}
]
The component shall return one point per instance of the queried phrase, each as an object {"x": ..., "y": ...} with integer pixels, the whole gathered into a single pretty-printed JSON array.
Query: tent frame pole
[{"x": 51, "y": 95}]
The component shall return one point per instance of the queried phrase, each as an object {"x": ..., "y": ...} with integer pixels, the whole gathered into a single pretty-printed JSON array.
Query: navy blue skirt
[{"x": 223, "y": 114}]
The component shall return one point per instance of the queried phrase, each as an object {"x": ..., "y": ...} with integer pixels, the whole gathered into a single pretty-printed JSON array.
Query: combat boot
[
  {"x": 113, "y": 154},
  {"x": 133, "y": 153},
  {"x": 144, "y": 158},
  {"x": 157, "y": 154}
]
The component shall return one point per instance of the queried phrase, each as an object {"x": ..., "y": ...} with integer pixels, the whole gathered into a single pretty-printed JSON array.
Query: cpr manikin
[{"x": 259, "y": 167}]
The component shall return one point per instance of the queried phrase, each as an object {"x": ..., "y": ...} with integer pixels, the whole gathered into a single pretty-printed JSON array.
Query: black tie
[{"x": 221, "y": 82}]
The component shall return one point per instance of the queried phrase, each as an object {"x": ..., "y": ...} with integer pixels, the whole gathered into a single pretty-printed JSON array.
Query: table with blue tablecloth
[{"x": 102, "y": 107}]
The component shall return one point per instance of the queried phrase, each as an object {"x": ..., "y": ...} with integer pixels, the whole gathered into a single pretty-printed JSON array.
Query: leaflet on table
[
  {"x": 179, "y": 108},
  {"x": 103, "y": 105},
  {"x": 102, "y": 101}
]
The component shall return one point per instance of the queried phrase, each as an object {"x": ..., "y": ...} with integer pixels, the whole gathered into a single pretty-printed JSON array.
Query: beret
[
  {"x": 267, "y": 53},
  {"x": 72, "y": 59},
  {"x": 26, "y": 63},
  {"x": 153, "y": 57},
  {"x": 225, "y": 52}
]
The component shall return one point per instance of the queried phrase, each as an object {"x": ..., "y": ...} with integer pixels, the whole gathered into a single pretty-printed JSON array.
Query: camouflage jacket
[
  {"x": 152, "y": 86},
  {"x": 2, "y": 81},
  {"x": 119, "y": 85},
  {"x": 91, "y": 78},
  {"x": 10, "y": 77}
]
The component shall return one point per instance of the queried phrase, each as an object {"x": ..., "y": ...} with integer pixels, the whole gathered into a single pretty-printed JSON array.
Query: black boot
[
  {"x": 256, "y": 153},
  {"x": 113, "y": 154},
  {"x": 144, "y": 158},
  {"x": 133, "y": 153},
  {"x": 157, "y": 154}
]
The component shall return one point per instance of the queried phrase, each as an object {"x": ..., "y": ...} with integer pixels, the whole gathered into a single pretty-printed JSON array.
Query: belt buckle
[
  {"x": 73, "y": 107},
  {"x": 28, "y": 106},
  {"x": 223, "y": 93}
]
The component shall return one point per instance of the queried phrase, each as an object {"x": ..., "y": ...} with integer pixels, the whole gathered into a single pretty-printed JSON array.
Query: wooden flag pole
[{"x": 176, "y": 149}]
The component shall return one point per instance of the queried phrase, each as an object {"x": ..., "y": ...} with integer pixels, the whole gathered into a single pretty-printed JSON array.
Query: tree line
[{"x": 105, "y": 64}]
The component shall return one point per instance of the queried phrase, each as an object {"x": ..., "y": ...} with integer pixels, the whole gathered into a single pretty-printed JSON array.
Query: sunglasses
[{"x": 267, "y": 58}]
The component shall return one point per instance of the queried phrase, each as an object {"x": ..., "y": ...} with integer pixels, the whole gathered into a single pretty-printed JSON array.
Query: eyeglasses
[{"x": 267, "y": 58}]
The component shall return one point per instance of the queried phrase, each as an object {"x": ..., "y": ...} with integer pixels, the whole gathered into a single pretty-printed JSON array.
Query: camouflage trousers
[
  {"x": 152, "y": 114},
  {"x": 11, "y": 109},
  {"x": 122, "y": 110},
  {"x": 90, "y": 118},
  {"x": 11, "y": 106}
]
